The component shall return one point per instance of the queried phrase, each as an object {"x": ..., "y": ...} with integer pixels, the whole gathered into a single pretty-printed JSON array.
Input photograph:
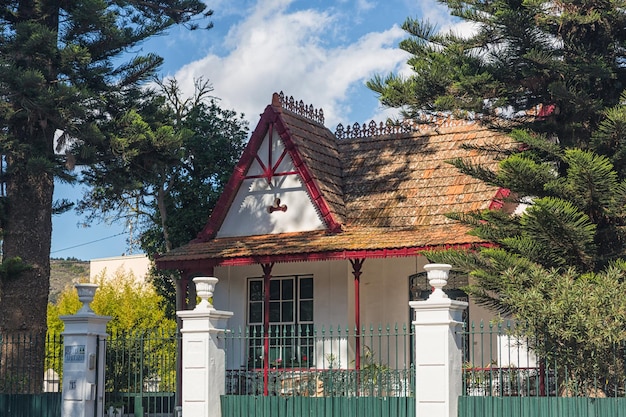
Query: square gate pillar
[
  {"x": 83, "y": 359},
  {"x": 438, "y": 348},
  {"x": 203, "y": 355}
]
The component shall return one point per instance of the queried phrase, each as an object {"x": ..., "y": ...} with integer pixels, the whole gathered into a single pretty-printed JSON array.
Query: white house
[{"x": 319, "y": 228}]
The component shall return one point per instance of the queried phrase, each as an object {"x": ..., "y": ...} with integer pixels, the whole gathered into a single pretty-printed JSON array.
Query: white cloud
[
  {"x": 364, "y": 5},
  {"x": 274, "y": 49},
  {"x": 439, "y": 14}
]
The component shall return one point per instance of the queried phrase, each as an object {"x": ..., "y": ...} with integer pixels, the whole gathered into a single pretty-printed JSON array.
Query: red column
[{"x": 356, "y": 271}]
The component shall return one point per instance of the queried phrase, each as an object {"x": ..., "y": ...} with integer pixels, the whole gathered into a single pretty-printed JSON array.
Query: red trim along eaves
[
  {"x": 498, "y": 200},
  {"x": 311, "y": 257},
  {"x": 309, "y": 182},
  {"x": 230, "y": 191}
]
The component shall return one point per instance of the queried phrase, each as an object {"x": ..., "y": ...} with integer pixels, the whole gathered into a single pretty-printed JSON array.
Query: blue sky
[{"x": 319, "y": 51}]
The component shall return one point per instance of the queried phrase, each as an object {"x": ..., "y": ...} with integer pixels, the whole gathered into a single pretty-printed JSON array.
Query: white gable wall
[{"x": 248, "y": 215}]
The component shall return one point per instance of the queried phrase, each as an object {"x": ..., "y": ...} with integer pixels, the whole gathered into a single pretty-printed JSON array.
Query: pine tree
[
  {"x": 565, "y": 55},
  {"x": 552, "y": 74},
  {"x": 561, "y": 66},
  {"x": 61, "y": 78}
]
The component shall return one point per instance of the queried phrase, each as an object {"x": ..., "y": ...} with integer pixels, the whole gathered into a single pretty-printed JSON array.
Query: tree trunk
[{"x": 24, "y": 293}]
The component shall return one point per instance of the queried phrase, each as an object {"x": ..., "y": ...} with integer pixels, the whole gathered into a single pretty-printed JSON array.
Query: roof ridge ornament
[
  {"x": 369, "y": 130},
  {"x": 298, "y": 107},
  {"x": 424, "y": 123}
]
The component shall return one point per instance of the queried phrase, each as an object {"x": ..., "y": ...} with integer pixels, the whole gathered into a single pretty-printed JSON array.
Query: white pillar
[
  {"x": 83, "y": 359},
  {"x": 438, "y": 349},
  {"x": 204, "y": 359}
]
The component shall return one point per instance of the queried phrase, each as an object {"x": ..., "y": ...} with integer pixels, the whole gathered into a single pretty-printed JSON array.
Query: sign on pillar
[
  {"x": 83, "y": 359},
  {"x": 438, "y": 351},
  {"x": 204, "y": 358}
]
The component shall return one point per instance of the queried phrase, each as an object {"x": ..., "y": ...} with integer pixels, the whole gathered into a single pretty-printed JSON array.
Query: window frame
[{"x": 294, "y": 336}]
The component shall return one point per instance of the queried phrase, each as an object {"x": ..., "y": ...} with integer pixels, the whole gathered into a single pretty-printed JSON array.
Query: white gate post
[
  {"x": 204, "y": 358},
  {"x": 438, "y": 349},
  {"x": 83, "y": 359}
]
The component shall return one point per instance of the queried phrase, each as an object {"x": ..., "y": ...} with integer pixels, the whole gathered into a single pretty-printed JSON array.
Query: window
[{"x": 291, "y": 321}]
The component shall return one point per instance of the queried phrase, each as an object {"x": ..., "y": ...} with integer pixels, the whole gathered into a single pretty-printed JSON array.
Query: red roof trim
[
  {"x": 498, "y": 201},
  {"x": 314, "y": 256},
  {"x": 269, "y": 116}
]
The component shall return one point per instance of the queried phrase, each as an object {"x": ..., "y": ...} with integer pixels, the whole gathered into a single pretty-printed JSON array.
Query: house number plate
[{"x": 75, "y": 354}]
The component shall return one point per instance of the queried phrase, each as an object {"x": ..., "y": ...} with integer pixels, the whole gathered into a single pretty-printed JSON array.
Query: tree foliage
[
  {"x": 552, "y": 74},
  {"x": 133, "y": 305},
  {"x": 64, "y": 78},
  {"x": 142, "y": 340},
  {"x": 165, "y": 168},
  {"x": 522, "y": 53}
]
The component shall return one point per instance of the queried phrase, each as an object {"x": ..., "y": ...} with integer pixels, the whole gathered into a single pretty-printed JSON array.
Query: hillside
[{"x": 64, "y": 273}]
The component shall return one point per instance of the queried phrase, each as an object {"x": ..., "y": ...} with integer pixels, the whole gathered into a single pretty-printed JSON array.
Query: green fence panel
[
  {"x": 29, "y": 405},
  {"x": 541, "y": 407},
  {"x": 272, "y": 406}
]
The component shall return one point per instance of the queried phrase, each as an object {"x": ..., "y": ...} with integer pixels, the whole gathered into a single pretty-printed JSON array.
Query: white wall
[
  {"x": 139, "y": 265},
  {"x": 330, "y": 289},
  {"x": 383, "y": 291},
  {"x": 248, "y": 214}
]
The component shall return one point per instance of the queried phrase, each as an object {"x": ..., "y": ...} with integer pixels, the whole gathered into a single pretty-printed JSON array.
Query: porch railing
[{"x": 304, "y": 360}]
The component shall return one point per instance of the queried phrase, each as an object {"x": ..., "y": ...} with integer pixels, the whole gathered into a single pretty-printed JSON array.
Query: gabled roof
[
  {"x": 382, "y": 191},
  {"x": 313, "y": 149}
]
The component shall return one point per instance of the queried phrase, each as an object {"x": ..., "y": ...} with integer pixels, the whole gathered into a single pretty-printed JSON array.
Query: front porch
[{"x": 309, "y": 296}]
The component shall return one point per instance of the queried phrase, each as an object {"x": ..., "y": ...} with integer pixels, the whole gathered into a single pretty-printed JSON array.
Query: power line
[{"x": 87, "y": 243}]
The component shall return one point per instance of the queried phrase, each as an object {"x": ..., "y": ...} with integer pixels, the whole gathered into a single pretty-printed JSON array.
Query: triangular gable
[{"x": 271, "y": 190}]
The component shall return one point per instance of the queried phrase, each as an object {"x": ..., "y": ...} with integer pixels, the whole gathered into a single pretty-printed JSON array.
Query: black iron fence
[
  {"x": 140, "y": 372},
  {"x": 19, "y": 373},
  {"x": 28, "y": 386},
  {"x": 303, "y": 360},
  {"x": 500, "y": 363}
]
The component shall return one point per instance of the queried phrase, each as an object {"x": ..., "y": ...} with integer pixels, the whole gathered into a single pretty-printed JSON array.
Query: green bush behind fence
[{"x": 499, "y": 362}]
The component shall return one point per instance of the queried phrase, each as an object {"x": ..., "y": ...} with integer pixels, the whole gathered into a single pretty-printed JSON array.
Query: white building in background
[{"x": 139, "y": 265}]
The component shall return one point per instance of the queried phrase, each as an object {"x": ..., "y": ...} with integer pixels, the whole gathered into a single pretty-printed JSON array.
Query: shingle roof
[
  {"x": 317, "y": 146},
  {"x": 389, "y": 190}
]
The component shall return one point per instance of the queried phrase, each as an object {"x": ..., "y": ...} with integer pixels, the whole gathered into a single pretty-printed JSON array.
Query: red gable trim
[
  {"x": 269, "y": 116},
  {"x": 498, "y": 201},
  {"x": 230, "y": 191}
]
